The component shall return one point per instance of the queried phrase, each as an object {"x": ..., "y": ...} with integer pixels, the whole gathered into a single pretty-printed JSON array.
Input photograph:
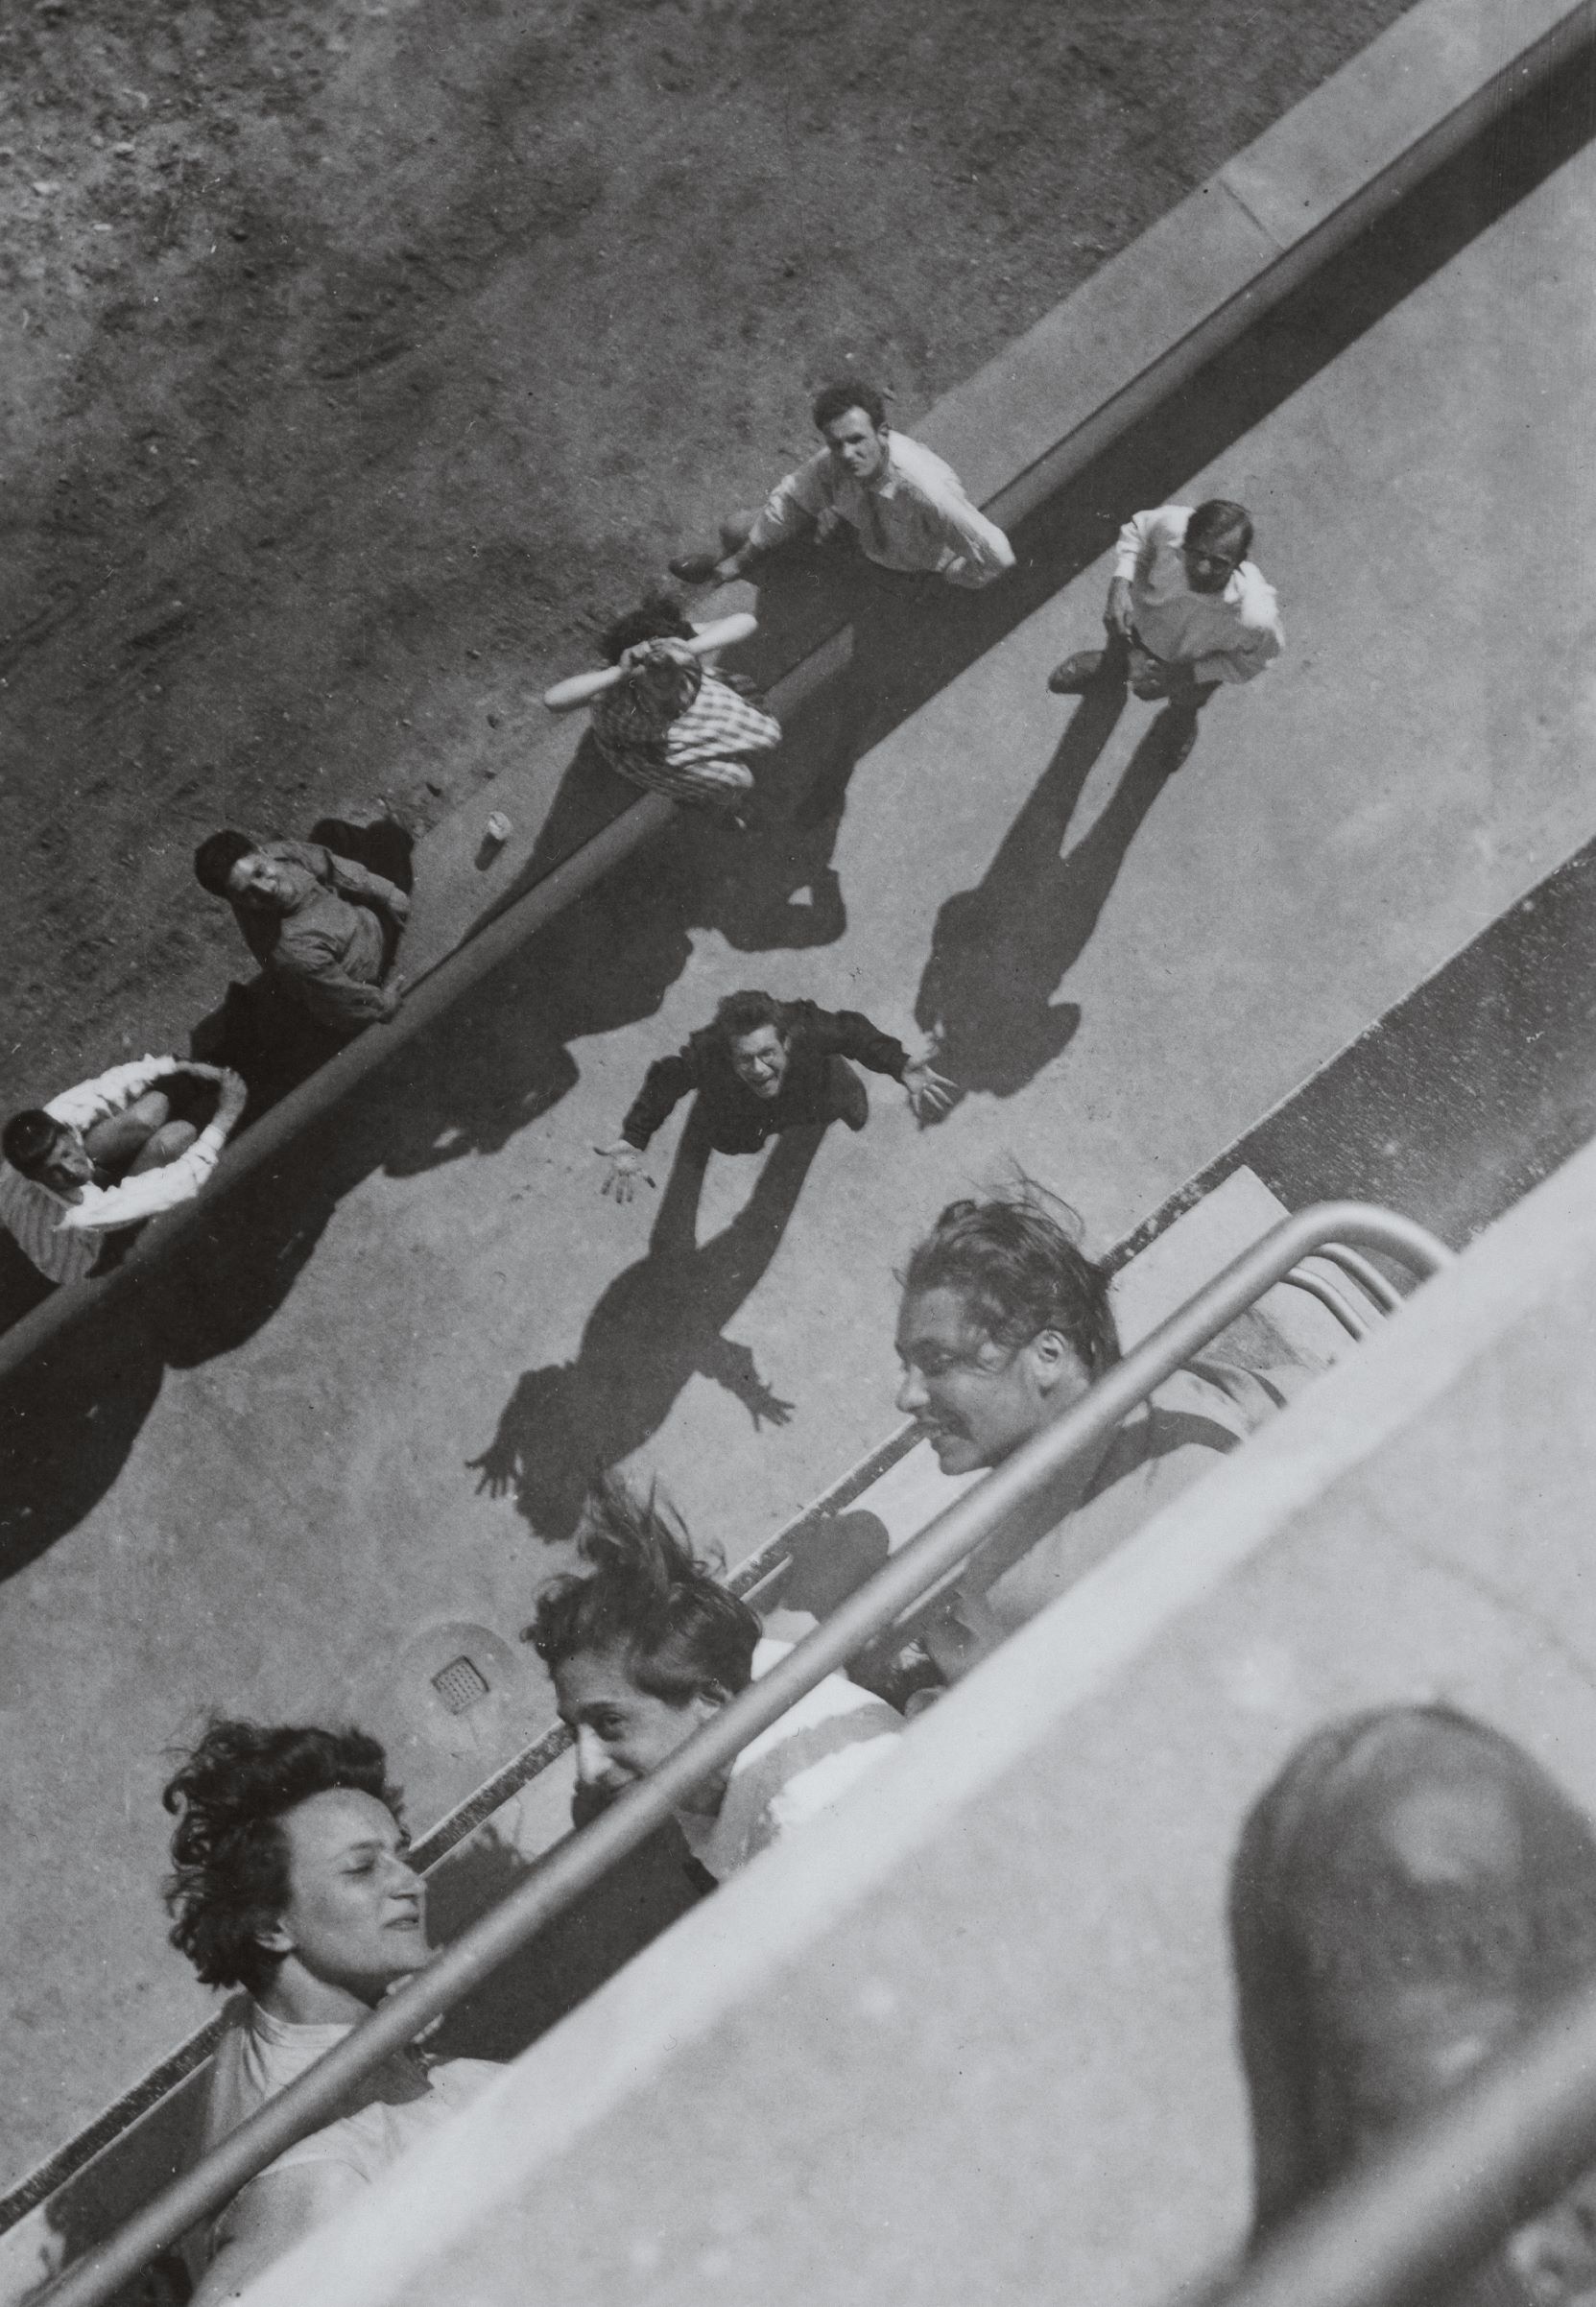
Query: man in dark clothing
[
  {"x": 322, "y": 927},
  {"x": 762, "y": 1066}
]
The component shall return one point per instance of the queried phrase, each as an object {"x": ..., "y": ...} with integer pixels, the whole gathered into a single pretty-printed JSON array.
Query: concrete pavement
[{"x": 1128, "y": 970}]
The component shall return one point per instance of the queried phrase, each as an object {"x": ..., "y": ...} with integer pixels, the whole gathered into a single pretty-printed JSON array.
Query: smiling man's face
[
  {"x": 264, "y": 884},
  {"x": 759, "y": 1060},
  {"x": 621, "y": 1731},
  {"x": 974, "y": 1399}
]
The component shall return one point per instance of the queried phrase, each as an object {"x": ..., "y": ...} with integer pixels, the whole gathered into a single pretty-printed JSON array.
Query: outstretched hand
[
  {"x": 494, "y": 1470},
  {"x": 764, "y": 1404},
  {"x": 625, "y": 1170},
  {"x": 930, "y": 1093}
]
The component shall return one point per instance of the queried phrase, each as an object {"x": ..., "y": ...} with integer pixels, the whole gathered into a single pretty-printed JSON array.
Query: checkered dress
[{"x": 677, "y": 734}]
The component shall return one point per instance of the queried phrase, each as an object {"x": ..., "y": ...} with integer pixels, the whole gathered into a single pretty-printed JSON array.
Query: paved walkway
[{"x": 1128, "y": 971}]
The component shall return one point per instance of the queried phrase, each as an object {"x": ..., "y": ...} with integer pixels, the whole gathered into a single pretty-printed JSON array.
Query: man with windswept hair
[{"x": 649, "y": 1645}]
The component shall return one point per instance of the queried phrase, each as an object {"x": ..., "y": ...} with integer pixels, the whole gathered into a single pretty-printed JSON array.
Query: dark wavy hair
[
  {"x": 229, "y": 1854},
  {"x": 681, "y": 1634},
  {"x": 216, "y": 857},
  {"x": 832, "y": 401},
  {"x": 741, "y": 1014},
  {"x": 28, "y": 1141},
  {"x": 1018, "y": 1272},
  {"x": 658, "y": 617},
  {"x": 1215, "y": 522}
]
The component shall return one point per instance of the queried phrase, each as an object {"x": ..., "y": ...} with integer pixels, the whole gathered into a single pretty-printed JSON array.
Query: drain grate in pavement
[{"x": 460, "y": 1685}]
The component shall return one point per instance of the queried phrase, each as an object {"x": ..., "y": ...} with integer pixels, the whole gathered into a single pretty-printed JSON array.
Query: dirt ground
[{"x": 358, "y": 360}]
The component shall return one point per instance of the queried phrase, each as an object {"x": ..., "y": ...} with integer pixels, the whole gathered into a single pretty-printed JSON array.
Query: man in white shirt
[
  {"x": 1187, "y": 611},
  {"x": 106, "y": 1154},
  {"x": 903, "y": 508}
]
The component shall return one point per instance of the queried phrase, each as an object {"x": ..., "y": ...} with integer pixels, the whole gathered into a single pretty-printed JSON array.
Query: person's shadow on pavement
[
  {"x": 656, "y": 1325},
  {"x": 504, "y": 1056},
  {"x": 999, "y": 951}
]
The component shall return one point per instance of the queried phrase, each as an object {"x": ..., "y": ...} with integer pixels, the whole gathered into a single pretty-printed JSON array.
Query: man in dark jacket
[{"x": 762, "y": 1066}]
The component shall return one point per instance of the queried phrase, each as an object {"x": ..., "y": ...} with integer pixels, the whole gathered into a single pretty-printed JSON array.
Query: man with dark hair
[
  {"x": 649, "y": 1645},
  {"x": 107, "y": 1154},
  {"x": 1005, "y": 1324},
  {"x": 903, "y": 506},
  {"x": 763, "y": 1065},
  {"x": 1187, "y": 611},
  {"x": 664, "y": 716},
  {"x": 321, "y": 927}
]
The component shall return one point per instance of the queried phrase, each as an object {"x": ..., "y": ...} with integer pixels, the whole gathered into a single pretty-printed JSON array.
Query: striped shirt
[
  {"x": 61, "y": 1238},
  {"x": 793, "y": 1772}
]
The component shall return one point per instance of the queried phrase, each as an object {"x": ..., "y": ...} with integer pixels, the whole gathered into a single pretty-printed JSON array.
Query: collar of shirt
[{"x": 887, "y": 482}]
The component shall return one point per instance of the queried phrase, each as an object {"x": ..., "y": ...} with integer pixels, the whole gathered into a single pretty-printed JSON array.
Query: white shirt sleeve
[
  {"x": 1139, "y": 531},
  {"x": 975, "y": 549},
  {"x": 794, "y": 504},
  {"x": 111, "y": 1092},
  {"x": 153, "y": 1191},
  {"x": 1260, "y": 636},
  {"x": 982, "y": 552}
]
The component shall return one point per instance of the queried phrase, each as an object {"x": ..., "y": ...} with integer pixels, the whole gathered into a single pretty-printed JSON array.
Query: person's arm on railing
[
  {"x": 320, "y": 981},
  {"x": 581, "y": 689},
  {"x": 351, "y": 879}
]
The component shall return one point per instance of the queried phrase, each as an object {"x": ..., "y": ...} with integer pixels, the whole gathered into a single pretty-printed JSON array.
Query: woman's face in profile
[{"x": 356, "y": 1910}]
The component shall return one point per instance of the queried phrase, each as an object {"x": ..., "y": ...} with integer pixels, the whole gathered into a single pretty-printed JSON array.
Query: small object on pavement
[{"x": 497, "y": 828}]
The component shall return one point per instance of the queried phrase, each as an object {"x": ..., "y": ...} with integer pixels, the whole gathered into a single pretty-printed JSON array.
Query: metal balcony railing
[
  {"x": 578, "y": 1862},
  {"x": 1447, "y": 2191}
]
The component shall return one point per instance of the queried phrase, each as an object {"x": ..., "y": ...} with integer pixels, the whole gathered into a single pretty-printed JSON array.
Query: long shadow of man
[
  {"x": 658, "y": 1324},
  {"x": 999, "y": 951}
]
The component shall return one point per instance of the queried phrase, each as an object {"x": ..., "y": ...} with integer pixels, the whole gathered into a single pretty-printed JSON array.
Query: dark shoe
[
  {"x": 695, "y": 569},
  {"x": 1077, "y": 673}
]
